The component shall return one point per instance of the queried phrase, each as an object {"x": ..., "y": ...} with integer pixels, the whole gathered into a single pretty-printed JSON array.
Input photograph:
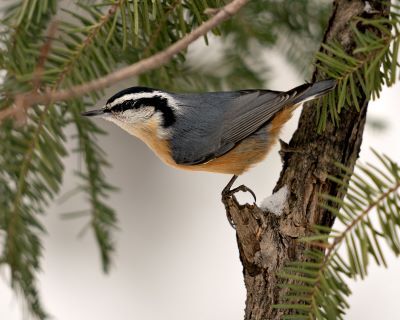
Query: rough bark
[{"x": 267, "y": 242}]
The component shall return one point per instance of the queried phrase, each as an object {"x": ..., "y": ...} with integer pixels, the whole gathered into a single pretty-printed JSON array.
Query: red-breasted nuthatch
[{"x": 225, "y": 132}]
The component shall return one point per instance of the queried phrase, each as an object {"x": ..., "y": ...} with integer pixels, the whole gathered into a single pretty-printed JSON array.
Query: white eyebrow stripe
[{"x": 135, "y": 96}]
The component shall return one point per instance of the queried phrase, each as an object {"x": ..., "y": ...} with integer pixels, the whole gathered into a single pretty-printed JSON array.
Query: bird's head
[{"x": 137, "y": 107}]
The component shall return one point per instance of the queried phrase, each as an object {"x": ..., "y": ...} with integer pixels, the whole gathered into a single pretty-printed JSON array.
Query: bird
[{"x": 222, "y": 132}]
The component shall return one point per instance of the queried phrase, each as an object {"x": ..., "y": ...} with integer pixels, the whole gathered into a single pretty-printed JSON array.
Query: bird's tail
[{"x": 310, "y": 91}]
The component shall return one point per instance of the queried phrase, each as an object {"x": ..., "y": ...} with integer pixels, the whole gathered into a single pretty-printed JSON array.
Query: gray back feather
[{"x": 211, "y": 124}]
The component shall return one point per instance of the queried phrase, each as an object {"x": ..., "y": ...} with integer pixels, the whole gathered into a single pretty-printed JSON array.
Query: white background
[{"x": 176, "y": 254}]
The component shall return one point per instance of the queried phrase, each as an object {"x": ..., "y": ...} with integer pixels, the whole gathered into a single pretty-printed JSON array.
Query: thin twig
[
  {"x": 135, "y": 69},
  {"x": 88, "y": 40},
  {"x": 359, "y": 218},
  {"x": 338, "y": 239},
  {"x": 21, "y": 104},
  {"x": 44, "y": 53},
  {"x": 156, "y": 33}
]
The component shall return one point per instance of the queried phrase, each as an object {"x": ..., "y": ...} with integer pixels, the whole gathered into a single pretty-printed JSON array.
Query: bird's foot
[
  {"x": 227, "y": 192},
  {"x": 242, "y": 188}
]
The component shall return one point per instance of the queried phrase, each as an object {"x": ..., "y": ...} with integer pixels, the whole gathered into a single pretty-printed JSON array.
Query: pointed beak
[{"x": 94, "y": 113}]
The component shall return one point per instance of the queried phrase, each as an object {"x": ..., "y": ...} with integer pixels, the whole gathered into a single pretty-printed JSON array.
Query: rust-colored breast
[{"x": 248, "y": 152}]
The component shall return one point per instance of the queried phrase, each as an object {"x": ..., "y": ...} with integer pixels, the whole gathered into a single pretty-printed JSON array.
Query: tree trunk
[{"x": 267, "y": 242}]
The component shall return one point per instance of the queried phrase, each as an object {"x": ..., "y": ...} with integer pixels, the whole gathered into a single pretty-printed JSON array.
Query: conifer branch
[
  {"x": 156, "y": 34},
  {"x": 319, "y": 281},
  {"x": 372, "y": 63},
  {"x": 12, "y": 251},
  {"x": 338, "y": 240},
  {"x": 38, "y": 170},
  {"x": 44, "y": 52},
  {"x": 86, "y": 42},
  {"x": 98, "y": 43},
  {"x": 153, "y": 62},
  {"x": 68, "y": 67}
]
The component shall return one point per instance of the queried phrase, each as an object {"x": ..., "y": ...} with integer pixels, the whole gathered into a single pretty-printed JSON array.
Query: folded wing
[{"x": 212, "y": 124}]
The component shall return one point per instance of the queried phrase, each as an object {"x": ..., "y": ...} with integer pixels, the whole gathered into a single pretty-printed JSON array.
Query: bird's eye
[{"x": 128, "y": 105}]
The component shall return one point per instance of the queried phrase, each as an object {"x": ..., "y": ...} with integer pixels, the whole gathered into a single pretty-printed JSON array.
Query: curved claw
[
  {"x": 227, "y": 192},
  {"x": 243, "y": 188}
]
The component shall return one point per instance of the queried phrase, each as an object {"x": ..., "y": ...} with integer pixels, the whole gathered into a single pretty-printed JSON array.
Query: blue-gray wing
[{"x": 212, "y": 124}]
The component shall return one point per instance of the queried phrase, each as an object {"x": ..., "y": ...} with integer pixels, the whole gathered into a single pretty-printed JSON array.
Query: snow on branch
[{"x": 276, "y": 202}]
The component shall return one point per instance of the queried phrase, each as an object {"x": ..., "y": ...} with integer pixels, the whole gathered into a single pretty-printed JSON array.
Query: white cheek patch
[
  {"x": 162, "y": 132},
  {"x": 134, "y": 119},
  {"x": 136, "y": 115}
]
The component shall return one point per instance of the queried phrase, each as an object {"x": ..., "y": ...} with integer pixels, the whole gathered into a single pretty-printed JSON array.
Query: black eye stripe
[
  {"x": 159, "y": 103},
  {"x": 123, "y": 106},
  {"x": 129, "y": 91}
]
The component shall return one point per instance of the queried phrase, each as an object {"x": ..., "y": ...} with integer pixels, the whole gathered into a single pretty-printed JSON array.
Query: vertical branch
[{"x": 267, "y": 242}]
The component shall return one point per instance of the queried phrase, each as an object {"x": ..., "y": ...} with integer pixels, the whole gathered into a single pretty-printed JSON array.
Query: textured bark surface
[{"x": 266, "y": 242}]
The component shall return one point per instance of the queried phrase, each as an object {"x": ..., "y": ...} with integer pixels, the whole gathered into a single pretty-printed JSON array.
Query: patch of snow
[
  {"x": 368, "y": 8},
  {"x": 276, "y": 202}
]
